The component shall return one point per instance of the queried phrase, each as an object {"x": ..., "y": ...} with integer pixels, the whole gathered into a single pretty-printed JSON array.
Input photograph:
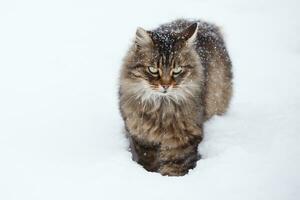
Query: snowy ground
[{"x": 60, "y": 129}]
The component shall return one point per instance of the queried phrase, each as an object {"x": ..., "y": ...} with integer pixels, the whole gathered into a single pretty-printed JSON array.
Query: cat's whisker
[
  {"x": 143, "y": 111},
  {"x": 187, "y": 91},
  {"x": 169, "y": 101},
  {"x": 130, "y": 99}
]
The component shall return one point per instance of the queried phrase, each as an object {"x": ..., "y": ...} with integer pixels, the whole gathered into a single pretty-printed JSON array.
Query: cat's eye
[
  {"x": 153, "y": 70},
  {"x": 177, "y": 70}
]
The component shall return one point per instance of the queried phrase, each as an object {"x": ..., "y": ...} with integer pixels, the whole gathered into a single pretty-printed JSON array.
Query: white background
[{"x": 60, "y": 129}]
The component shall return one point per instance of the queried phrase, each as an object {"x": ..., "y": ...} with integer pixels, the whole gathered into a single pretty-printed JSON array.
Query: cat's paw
[{"x": 172, "y": 170}]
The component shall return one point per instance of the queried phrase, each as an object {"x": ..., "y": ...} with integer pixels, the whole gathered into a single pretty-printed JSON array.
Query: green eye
[
  {"x": 177, "y": 70},
  {"x": 153, "y": 70}
]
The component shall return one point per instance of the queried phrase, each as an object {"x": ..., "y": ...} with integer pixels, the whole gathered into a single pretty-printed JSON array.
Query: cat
[{"x": 172, "y": 80}]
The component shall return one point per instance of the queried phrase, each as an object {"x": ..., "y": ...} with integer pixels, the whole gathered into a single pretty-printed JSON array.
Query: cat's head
[{"x": 164, "y": 64}]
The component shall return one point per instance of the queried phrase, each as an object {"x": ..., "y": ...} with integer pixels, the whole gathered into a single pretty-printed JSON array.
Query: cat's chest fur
[{"x": 164, "y": 123}]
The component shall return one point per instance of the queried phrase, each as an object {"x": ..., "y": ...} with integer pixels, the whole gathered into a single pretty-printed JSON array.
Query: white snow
[{"x": 60, "y": 128}]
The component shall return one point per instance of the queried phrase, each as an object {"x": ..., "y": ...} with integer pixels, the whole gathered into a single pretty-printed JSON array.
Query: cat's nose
[{"x": 165, "y": 87}]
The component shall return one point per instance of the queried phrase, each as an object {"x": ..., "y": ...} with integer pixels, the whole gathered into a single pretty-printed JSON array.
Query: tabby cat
[{"x": 172, "y": 80}]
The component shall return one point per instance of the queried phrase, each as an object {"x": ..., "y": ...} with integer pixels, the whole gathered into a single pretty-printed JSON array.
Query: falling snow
[{"x": 60, "y": 128}]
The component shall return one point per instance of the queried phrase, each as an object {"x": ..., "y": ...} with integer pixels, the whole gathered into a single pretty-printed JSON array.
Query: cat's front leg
[
  {"x": 144, "y": 154},
  {"x": 177, "y": 161}
]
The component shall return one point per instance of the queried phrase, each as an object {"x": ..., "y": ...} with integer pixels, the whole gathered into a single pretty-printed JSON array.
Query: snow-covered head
[{"x": 163, "y": 64}]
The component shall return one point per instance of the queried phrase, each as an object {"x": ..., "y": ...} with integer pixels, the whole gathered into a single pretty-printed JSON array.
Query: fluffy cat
[{"x": 172, "y": 80}]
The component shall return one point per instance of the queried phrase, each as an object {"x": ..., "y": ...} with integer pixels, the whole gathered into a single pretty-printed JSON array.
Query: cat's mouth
[{"x": 164, "y": 89}]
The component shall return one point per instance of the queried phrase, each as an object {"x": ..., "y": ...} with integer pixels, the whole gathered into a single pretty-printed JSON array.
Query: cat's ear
[
  {"x": 189, "y": 34},
  {"x": 143, "y": 38}
]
